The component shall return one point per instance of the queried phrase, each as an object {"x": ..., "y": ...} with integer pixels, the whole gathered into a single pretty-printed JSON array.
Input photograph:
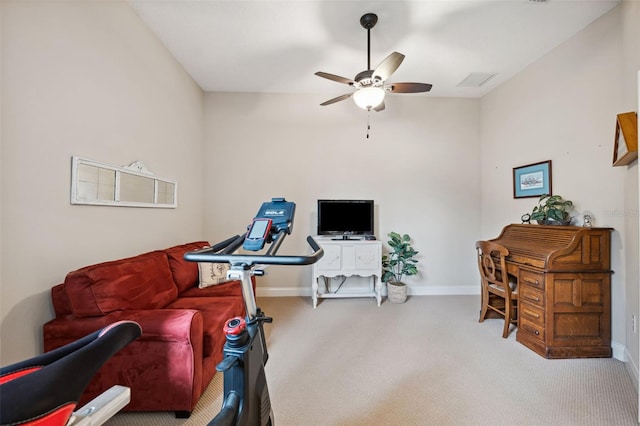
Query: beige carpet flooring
[{"x": 425, "y": 362}]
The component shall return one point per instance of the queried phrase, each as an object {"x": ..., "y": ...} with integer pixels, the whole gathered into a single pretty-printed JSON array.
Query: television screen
[{"x": 345, "y": 217}]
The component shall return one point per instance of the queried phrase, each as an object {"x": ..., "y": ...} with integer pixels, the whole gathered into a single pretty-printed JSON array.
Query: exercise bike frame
[{"x": 246, "y": 395}]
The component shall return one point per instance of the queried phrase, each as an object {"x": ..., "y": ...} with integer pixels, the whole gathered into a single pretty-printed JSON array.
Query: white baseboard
[
  {"x": 283, "y": 292},
  {"x": 443, "y": 291},
  {"x": 631, "y": 367},
  {"x": 619, "y": 351}
]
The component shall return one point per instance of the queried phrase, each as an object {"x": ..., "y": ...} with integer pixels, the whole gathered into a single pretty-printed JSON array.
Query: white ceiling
[{"x": 276, "y": 46}]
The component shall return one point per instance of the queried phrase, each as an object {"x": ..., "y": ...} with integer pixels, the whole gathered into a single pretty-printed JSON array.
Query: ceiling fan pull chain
[{"x": 368, "y": 122}]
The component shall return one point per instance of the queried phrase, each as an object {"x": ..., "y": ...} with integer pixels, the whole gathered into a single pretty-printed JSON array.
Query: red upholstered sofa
[{"x": 171, "y": 364}]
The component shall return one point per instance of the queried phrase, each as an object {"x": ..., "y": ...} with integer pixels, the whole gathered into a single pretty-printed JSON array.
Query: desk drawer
[
  {"x": 531, "y": 295},
  {"x": 531, "y": 313},
  {"x": 530, "y": 278},
  {"x": 531, "y": 329}
]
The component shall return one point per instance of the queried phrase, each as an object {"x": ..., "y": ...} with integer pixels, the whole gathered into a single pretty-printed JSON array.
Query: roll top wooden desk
[{"x": 564, "y": 286}]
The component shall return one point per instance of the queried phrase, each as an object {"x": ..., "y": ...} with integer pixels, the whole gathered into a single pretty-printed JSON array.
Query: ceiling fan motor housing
[
  {"x": 368, "y": 20},
  {"x": 365, "y": 79}
]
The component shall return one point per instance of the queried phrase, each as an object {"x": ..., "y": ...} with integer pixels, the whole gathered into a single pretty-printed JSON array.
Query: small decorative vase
[{"x": 397, "y": 292}]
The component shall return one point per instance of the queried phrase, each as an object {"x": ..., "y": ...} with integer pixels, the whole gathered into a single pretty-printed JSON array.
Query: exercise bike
[{"x": 246, "y": 396}]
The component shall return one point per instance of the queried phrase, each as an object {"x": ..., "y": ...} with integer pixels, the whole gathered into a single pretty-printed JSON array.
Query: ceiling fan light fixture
[
  {"x": 368, "y": 97},
  {"x": 370, "y": 84}
]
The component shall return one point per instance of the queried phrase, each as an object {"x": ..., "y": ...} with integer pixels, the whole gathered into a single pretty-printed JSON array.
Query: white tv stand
[{"x": 347, "y": 258}]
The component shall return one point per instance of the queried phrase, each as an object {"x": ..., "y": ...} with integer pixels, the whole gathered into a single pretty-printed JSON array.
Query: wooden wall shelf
[{"x": 625, "y": 148}]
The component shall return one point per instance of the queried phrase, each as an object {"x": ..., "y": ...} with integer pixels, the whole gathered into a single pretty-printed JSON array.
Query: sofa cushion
[
  {"x": 140, "y": 282},
  {"x": 212, "y": 274},
  {"x": 229, "y": 288},
  {"x": 185, "y": 273},
  {"x": 61, "y": 303}
]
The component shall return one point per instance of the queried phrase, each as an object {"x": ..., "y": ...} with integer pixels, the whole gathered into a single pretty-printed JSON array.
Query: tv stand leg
[
  {"x": 378, "y": 289},
  {"x": 314, "y": 292}
]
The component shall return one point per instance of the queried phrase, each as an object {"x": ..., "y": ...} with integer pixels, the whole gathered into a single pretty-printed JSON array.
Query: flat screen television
[{"x": 345, "y": 217}]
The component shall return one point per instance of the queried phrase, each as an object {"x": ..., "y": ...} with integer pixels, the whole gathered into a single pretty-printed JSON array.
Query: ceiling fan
[{"x": 371, "y": 85}]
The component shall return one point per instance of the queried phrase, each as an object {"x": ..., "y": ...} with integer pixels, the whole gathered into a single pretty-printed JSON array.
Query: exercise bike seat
[{"x": 45, "y": 390}]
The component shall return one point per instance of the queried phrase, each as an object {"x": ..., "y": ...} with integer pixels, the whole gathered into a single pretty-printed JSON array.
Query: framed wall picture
[
  {"x": 625, "y": 145},
  {"x": 532, "y": 180}
]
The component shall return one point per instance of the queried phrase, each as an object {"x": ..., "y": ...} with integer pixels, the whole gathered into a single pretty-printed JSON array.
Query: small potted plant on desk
[
  {"x": 398, "y": 263},
  {"x": 552, "y": 210}
]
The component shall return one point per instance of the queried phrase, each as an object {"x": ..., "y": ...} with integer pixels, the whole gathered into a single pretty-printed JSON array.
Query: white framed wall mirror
[{"x": 97, "y": 183}]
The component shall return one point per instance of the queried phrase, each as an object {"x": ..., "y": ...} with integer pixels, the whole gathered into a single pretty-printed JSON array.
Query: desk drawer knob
[
  {"x": 530, "y": 281},
  {"x": 530, "y": 329},
  {"x": 534, "y": 298}
]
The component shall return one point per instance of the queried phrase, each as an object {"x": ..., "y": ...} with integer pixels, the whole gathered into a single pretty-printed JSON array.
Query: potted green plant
[
  {"x": 552, "y": 210},
  {"x": 400, "y": 262}
]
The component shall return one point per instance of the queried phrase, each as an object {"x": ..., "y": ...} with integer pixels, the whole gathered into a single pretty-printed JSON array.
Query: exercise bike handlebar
[{"x": 222, "y": 253}]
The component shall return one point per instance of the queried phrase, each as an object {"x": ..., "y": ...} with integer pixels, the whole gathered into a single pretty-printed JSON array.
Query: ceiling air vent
[{"x": 476, "y": 79}]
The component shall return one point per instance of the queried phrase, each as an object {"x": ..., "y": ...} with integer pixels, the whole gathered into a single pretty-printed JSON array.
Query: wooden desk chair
[{"x": 498, "y": 293}]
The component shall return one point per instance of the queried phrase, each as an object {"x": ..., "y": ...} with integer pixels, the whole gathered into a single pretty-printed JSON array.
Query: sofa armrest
[{"x": 168, "y": 355}]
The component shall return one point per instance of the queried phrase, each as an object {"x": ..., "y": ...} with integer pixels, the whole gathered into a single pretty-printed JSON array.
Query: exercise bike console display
[
  {"x": 246, "y": 397},
  {"x": 257, "y": 234}
]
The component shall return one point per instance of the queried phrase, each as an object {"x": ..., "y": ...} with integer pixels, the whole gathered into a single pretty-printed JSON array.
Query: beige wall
[
  {"x": 563, "y": 108},
  {"x": 88, "y": 79},
  {"x": 631, "y": 102},
  {"x": 420, "y": 166}
]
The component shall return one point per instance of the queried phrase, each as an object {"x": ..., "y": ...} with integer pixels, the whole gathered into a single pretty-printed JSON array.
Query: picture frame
[
  {"x": 100, "y": 184},
  {"x": 625, "y": 144},
  {"x": 532, "y": 180}
]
